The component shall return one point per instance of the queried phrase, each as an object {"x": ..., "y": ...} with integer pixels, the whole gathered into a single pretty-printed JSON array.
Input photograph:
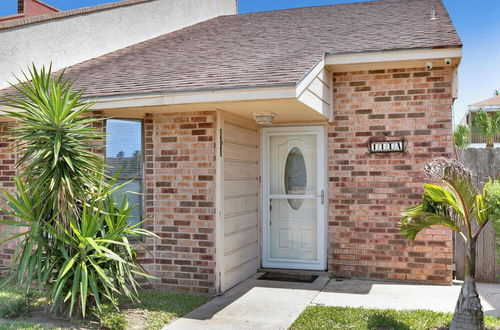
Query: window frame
[{"x": 142, "y": 192}]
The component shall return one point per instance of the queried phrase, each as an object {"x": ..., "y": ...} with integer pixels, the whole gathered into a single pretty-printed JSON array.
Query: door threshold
[{"x": 294, "y": 271}]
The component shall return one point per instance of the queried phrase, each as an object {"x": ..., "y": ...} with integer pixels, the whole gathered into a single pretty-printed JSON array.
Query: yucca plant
[
  {"x": 98, "y": 262},
  {"x": 75, "y": 237},
  {"x": 488, "y": 125},
  {"x": 55, "y": 134},
  {"x": 456, "y": 204}
]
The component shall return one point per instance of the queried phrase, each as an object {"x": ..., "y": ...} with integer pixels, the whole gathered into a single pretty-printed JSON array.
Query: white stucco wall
[{"x": 74, "y": 39}]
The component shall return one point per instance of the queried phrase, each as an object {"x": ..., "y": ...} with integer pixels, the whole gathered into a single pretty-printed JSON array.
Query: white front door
[{"x": 294, "y": 229}]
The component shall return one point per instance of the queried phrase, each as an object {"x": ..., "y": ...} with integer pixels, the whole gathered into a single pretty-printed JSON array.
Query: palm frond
[
  {"x": 415, "y": 219},
  {"x": 462, "y": 136}
]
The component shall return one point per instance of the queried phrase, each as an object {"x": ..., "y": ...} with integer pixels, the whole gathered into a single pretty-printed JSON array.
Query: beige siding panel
[
  {"x": 240, "y": 222},
  {"x": 312, "y": 100},
  {"x": 239, "y": 239},
  {"x": 321, "y": 90},
  {"x": 240, "y": 205},
  {"x": 241, "y": 192},
  {"x": 241, "y": 273},
  {"x": 246, "y": 253},
  {"x": 235, "y": 120},
  {"x": 241, "y": 135},
  {"x": 241, "y": 187},
  {"x": 240, "y": 152},
  {"x": 239, "y": 170},
  {"x": 324, "y": 76}
]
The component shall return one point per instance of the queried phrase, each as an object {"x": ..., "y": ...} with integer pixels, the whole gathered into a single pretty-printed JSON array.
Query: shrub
[
  {"x": 75, "y": 237},
  {"x": 462, "y": 136},
  {"x": 492, "y": 196}
]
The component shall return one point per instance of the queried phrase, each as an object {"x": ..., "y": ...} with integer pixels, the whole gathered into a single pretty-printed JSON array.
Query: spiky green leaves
[
  {"x": 74, "y": 238},
  {"x": 54, "y": 136}
]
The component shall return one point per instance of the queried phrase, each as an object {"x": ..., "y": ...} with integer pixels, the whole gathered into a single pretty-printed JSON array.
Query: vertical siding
[{"x": 240, "y": 199}]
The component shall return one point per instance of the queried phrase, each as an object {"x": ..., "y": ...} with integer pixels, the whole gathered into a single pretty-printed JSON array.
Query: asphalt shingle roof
[
  {"x": 492, "y": 101},
  {"x": 275, "y": 48}
]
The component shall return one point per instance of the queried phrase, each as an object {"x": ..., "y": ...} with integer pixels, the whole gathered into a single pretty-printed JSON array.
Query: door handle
[{"x": 322, "y": 196}]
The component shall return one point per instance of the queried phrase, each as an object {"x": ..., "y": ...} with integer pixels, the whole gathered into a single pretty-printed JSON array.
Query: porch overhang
[{"x": 282, "y": 101}]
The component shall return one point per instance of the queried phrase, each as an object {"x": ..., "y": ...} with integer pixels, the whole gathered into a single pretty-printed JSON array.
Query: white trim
[
  {"x": 321, "y": 262},
  {"x": 309, "y": 77},
  {"x": 392, "y": 55},
  {"x": 219, "y": 207},
  {"x": 226, "y": 95}
]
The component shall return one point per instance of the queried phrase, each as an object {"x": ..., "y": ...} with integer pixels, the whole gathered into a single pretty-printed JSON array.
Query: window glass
[
  {"x": 124, "y": 156},
  {"x": 295, "y": 177}
]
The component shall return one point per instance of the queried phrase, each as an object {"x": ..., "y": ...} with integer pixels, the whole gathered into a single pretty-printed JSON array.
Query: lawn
[
  {"x": 322, "y": 317},
  {"x": 19, "y": 311}
]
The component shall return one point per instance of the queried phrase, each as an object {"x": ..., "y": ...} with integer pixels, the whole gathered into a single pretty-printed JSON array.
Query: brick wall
[
  {"x": 7, "y": 172},
  {"x": 180, "y": 200},
  {"x": 369, "y": 191}
]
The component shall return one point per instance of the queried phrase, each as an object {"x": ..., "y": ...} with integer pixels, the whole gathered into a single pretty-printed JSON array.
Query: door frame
[{"x": 322, "y": 185}]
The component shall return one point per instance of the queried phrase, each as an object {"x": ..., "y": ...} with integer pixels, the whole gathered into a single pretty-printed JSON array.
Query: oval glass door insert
[{"x": 295, "y": 177}]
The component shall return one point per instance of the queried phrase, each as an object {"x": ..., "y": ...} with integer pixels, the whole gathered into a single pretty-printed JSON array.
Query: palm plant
[
  {"x": 488, "y": 125},
  {"x": 75, "y": 238},
  {"x": 462, "y": 136},
  {"x": 456, "y": 204}
]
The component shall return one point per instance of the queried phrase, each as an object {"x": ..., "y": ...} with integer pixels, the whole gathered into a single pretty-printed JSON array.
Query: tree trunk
[
  {"x": 468, "y": 311},
  {"x": 490, "y": 141}
]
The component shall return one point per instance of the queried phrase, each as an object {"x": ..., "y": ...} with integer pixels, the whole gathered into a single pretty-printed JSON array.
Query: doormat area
[{"x": 288, "y": 277}]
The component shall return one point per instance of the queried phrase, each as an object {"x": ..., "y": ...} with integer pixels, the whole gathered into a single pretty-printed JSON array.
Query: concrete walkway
[
  {"x": 253, "y": 304},
  {"x": 256, "y": 304},
  {"x": 381, "y": 295}
]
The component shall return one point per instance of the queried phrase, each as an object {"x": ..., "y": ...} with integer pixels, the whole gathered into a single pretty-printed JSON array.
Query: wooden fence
[
  {"x": 478, "y": 137},
  {"x": 484, "y": 163}
]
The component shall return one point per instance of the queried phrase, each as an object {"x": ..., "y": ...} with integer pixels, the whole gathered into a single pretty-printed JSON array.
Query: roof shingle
[{"x": 274, "y": 48}]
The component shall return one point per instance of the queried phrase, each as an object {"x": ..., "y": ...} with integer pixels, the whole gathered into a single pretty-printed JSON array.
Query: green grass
[
  {"x": 12, "y": 302},
  {"x": 21, "y": 325},
  {"x": 322, "y": 317},
  {"x": 156, "y": 307},
  {"x": 161, "y": 308}
]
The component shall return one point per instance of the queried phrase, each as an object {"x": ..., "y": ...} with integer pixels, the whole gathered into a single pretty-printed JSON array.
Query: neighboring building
[
  {"x": 489, "y": 105},
  {"x": 361, "y": 96},
  {"x": 41, "y": 34},
  {"x": 29, "y": 8}
]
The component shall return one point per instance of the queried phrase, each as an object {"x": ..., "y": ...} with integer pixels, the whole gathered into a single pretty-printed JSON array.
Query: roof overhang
[
  {"x": 311, "y": 99},
  {"x": 243, "y": 102},
  {"x": 487, "y": 108},
  {"x": 389, "y": 59}
]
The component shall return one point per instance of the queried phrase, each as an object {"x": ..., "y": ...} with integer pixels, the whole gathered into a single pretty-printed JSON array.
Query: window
[
  {"x": 295, "y": 177},
  {"x": 124, "y": 155}
]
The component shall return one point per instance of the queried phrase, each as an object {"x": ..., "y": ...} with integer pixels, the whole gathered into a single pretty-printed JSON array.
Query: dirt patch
[{"x": 136, "y": 319}]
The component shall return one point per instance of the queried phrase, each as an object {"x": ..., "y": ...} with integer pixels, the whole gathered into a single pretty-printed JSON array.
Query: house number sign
[{"x": 387, "y": 146}]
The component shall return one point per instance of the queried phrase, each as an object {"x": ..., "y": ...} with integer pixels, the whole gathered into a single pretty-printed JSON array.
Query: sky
[{"x": 477, "y": 23}]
